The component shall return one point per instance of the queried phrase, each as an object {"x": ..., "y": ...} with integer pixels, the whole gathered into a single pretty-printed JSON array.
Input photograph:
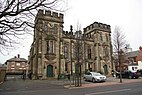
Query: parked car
[
  {"x": 128, "y": 74},
  {"x": 140, "y": 71},
  {"x": 94, "y": 77}
]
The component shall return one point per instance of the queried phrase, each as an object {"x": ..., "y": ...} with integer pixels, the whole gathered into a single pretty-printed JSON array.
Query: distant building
[
  {"x": 16, "y": 65},
  {"x": 133, "y": 60},
  {"x": 133, "y": 67},
  {"x": 55, "y": 52},
  {"x": 2, "y": 66}
]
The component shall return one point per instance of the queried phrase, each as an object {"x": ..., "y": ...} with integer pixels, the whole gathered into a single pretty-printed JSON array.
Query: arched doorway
[
  {"x": 49, "y": 71},
  {"x": 105, "y": 69}
]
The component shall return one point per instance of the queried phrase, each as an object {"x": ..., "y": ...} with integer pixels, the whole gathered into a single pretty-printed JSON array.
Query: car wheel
[
  {"x": 117, "y": 76},
  {"x": 85, "y": 79},
  {"x": 93, "y": 80},
  {"x": 130, "y": 77}
]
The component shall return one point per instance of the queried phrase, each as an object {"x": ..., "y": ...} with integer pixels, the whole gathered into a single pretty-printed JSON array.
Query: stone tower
[
  {"x": 45, "y": 50},
  {"x": 100, "y": 36}
]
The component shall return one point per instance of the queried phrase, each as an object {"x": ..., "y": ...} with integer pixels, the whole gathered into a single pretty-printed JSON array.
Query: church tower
[
  {"x": 101, "y": 47},
  {"x": 45, "y": 59}
]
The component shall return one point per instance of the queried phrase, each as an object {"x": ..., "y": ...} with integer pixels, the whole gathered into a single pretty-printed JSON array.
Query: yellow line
[{"x": 108, "y": 92}]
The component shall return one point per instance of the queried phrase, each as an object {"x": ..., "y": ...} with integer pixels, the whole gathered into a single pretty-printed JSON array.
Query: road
[
  {"x": 119, "y": 89},
  {"x": 45, "y": 87}
]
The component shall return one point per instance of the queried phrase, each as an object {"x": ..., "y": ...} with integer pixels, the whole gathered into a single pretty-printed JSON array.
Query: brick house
[
  {"x": 16, "y": 65},
  {"x": 133, "y": 60}
]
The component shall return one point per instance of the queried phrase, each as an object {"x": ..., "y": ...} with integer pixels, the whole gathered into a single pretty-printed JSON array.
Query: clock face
[{"x": 50, "y": 25}]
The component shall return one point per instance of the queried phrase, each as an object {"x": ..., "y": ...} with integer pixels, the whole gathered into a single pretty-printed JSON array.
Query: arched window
[
  {"x": 89, "y": 52},
  {"x": 66, "y": 52},
  {"x": 50, "y": 46}
]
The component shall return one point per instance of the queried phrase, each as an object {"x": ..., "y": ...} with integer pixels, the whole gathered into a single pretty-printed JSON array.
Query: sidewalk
[
  {"x": 110, "y": 81},
  {"x": 85, "y": 84}
]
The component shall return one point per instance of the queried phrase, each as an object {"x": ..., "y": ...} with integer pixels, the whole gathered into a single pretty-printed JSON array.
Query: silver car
[{"x": 94, "y": 77}]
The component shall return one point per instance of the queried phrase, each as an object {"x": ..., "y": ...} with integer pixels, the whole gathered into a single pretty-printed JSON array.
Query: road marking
[
  {"x": 24, "y": 91},
  {"x": 97, "y": 93}
]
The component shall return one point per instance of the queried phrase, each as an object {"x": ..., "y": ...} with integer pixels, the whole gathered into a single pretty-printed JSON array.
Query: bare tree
[
  {"x": 78, "y": 57},
  {"x": 119, "y": 43},
  {"x": 17, "y": 18}
]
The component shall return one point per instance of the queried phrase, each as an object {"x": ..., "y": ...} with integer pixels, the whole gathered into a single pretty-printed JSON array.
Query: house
[
  {"x": 55, "y": 52},
  {"x": 132, "y": 61},
  {"x": 16, "y": 65},
  {"x": 133, "y": 67}
]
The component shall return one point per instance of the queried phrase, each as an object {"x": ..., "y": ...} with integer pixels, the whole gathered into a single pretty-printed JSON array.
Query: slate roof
[
  {"x": 129, "y": 54},
  {"x": 133, "y": 53},
  {"x": 132, "y": 64},
  {"x": 17, "y": 60}
]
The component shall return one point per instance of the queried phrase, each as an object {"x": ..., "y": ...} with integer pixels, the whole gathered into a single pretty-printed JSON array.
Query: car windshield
[{"x": 96, "y": 74}]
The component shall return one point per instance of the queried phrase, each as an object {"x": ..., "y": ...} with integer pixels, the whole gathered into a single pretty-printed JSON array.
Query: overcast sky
[{"x": 126, "y": 14}]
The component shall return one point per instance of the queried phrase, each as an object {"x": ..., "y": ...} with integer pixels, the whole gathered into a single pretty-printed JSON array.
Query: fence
[{"x": 2, "y": 74}]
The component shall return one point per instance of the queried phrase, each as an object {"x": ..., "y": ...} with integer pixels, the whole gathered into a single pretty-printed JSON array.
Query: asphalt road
[
  {"x": 44, "y": 87},
  {"x": 119, "y": 89}
]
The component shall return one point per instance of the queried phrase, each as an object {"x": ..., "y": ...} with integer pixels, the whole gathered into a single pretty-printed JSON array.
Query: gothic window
[
  {"x": 55, "y": 28},
  {"x": 106, "y": 52},
  {"x": 89, "y": 52},
  {"x": 66, "y": 52},
  {"x": 86, "y": 52},
  {"x": 106, "y": 37},
  {"x": 75, "y": 51},
  {"x": 50, "y": 47},
  {"x": 45, "y": 27},
  {"x": 47, "y": 46},
  {"x": 66, "y": 66}
]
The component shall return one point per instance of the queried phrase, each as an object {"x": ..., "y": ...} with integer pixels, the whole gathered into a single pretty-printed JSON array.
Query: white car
[{"x": 94, "y": 77}]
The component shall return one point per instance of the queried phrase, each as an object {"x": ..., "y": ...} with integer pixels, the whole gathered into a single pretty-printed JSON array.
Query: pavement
[
  {"x": 85, "y": 84},
  {"x": 109, "y": 81}
]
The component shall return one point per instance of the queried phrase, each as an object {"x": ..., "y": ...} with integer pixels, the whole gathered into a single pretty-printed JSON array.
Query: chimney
[
  {"x": 18, "y": 55},
  {"x": 71, "y": 28},
  {"x": 140, "y": 48}
]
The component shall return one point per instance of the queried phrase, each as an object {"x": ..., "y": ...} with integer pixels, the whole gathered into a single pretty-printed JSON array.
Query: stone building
[{"x": 55, "y": 52}]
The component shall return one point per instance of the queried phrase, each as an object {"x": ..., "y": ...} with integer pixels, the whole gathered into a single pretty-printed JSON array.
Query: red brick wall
[
  {"x": 16, "y": 66},
  {"x": 139, "y": 57}
]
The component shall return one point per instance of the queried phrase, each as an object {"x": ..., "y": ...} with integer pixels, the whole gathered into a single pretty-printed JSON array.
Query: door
[
  {"x": 105, "y": 69},
  {"x": 49, "y": 71}
]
